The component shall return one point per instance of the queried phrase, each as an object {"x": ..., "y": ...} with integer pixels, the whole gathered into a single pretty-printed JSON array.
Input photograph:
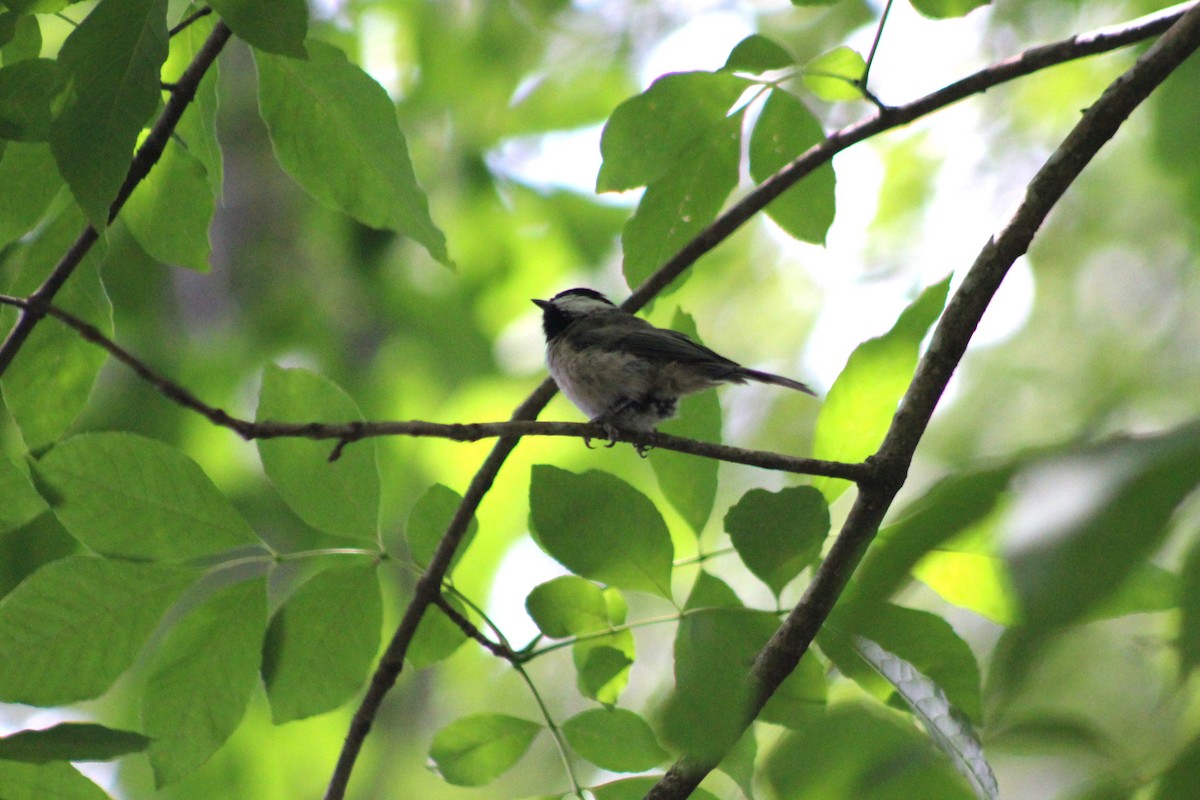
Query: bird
[{"x": 626, "y": 374}]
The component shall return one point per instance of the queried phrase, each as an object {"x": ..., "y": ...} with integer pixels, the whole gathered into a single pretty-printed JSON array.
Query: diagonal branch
[
  {"x": 146, "y": 157},
  {"x": 782, "y": 653},
  {"x": 1030, "y": 61}
]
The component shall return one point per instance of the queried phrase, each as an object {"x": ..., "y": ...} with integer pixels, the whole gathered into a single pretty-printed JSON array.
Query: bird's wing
[{"x": 657, "y": 344}]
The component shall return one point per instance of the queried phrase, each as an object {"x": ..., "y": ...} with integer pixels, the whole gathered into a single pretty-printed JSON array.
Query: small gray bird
[{"x": 623, "y": 372}]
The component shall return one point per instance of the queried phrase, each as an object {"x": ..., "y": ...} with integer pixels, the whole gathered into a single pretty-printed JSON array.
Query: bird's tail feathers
[{"x": 778, "y": 380}]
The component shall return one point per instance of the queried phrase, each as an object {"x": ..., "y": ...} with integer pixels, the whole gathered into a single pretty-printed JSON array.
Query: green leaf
[
  {"x": 860, "y": 751},
  {"x": 339, "y": 497},
  {"x": 71, "y": 741},
  {"x": 437, "y": 637},
  {"x": 26, "y": 40},
  {"x": 31, "y": 181},
  {"x": 197, "y": 129},
  {"x": 321, "y": 643},
  {"x": 637, "y": 788},
  {"x": 714, "y": 647},
  {"x": 690, "y": 483},
  {"x": 943, "y": 9},
  {"x": 739, "y": 762},
  {"x": 800, "y": 697},
  {"x": 682, "y": 202},
  {"x": 128, "y": 496},
  {"x": 427, "y": 524},
  {"x": 202, "y": 678},
  {"x": 27, "y": 92},
  {"x": 276, "y": 26},
  {"x": 784, "y": 130},
  {"x": 924, "y": 640},
  {"x": 73, "y": 626},
  {"x": 43, "y": 781},
  {"x": 334, "y": 130},
  {"x": 614, "y": 739},
  {"x": 757, "y": 54},
  {"x": 1178, "y": 782},
  {"x": 971, "y": 580},
  {"x": 113, "y": 60},
  {"x": 951, "y": 506},
  {"x": 170, "y": 211},
  {"x": 567, "y": 606},
  {"x": 836, "y": 75},
  {"x": 602, "y": 665},
  {"x": 1121, "y": 496},
  {"x": 55, "y": 361},
  {"x": 475, "y": 750},
  {"x": 860, "y": 404},
  {"x": 660, "y": 130},
  {"x": 21, "y": 501},
  {"x": 777, "y": 534},
  {"x": 950, "y": 731},
  {"x": 601, "y": 528}
]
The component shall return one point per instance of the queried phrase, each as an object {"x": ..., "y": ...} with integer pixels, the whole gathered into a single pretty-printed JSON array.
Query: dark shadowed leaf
[
  {"x": 427, "y": 524},
  {"x": 777, "y": 534},
  {"x": 71, "y": 741},
  {"x": 277, "y": 26}
]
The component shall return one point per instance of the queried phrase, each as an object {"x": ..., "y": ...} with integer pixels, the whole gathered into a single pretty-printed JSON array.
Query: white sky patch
[{"x": 524, "y": 566}]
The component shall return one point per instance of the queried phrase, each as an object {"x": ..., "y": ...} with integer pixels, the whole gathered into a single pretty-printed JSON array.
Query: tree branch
[
  {"x": 725, "y": 225},
  {"x": 346, "y": 433},
  {"x": 146, "y": 157},
  {"x": 782, "y": 653}
]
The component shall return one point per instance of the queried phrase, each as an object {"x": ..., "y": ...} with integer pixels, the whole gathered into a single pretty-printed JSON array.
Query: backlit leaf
[{"x": 475, "y": 750}]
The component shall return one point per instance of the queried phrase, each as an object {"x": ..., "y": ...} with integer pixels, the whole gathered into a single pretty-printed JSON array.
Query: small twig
[
  {"x": 188, "y": 20},
  {"x": 471, "y": 632},
  {"x": 862, "y": 82}
]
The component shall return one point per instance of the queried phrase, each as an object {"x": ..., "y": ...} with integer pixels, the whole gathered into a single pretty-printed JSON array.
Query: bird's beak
[{"x": 542, "y": 304}]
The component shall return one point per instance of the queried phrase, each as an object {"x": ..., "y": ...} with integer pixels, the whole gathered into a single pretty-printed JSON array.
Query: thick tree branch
[
  {"x": 146, "y": 157},
  {"x": 1099, "y": 123},
  {"x": 682, "y": 773}
]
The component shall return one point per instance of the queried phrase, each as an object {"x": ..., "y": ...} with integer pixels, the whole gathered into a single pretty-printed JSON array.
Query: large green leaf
[
  {"x": 1118, "y": 499},
  {"x": 169, "y": 213},
  {"x": 862, "y": 752},
  {"x": 125, "y": 495},
  {"x": 615, "y": 739},
  {"x": 684, "y": 200},
  {"x": 113, "y": 60},
  {"x": 43, "y": 781},
  {"x": 276, "y": 26},
  {"x": 73, "y": 626},
  {"x": 21, "y": 501},
  {"x": 322, "y": 641},
  {"x": 31, "y": 181},
  {"x": 601, "y": 528},
  {"x": 475, "y": 750},
  {"x": 71, "y": 741},
  {"x": 659, "y": 131},
  {"x": 784, "y": 130},
  {"x": 689, "y": 482},
  {"x": 27, "y": 93},
  {"x": 924, "y": 640},
  {"x": 334, "y": 130},
  {"x": 862, "y": 401},
  {"x": 202, "y": 677},
  {"x": 339, "y": 497},
  {"x": 777, "y": 534},
  {"x": 945, "y": 510},
  {"x": 950, "y": 731}
]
